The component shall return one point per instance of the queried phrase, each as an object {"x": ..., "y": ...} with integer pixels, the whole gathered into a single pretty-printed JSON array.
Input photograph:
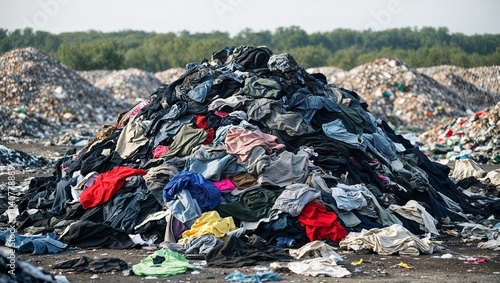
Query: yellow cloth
[{"x": 210, "y": 223}]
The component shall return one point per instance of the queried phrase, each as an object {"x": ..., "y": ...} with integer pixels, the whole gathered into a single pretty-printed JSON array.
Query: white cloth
[
  {"x": 414, "y": 211},
  {"x": 318, "y": 266},
  {"x": 389, "y": 240},
  {"x": 315, "y": 249},
  {"x": 490, "y": 244},
  {"x": 83, "y": 183},
  {"x": 466, "y": 168},
  {"x": 493, "y": 177}
]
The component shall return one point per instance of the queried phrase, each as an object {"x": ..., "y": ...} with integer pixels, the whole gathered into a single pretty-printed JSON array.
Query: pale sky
[{"x": 464, "y": 16}]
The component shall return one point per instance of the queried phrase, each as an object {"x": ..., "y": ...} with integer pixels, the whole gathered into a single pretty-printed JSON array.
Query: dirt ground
[{"x": 375, "y": 268}]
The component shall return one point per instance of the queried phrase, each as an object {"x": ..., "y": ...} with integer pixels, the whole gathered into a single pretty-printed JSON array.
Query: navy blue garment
[
  {"x": 366, "y": 223},
  {"x": 306, "y": 103},
  {"x": 63, "y": 195},
  {"x": 41, "y": 186},
  {"x": 36, "y": 245},
  {"x": 203, "y": 191},
  {"x": 130, "y": 206},
  {"x": 438, "y": 178}
]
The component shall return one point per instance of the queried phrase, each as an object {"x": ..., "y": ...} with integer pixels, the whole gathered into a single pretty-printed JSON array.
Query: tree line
[{"x": 343, "y": 48}]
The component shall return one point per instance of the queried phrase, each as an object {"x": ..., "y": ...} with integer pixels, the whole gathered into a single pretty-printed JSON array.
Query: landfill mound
[
  {"x": 169, "y": 75},
  {"x": 94, "y": 76},
  {"x": 130, "y": 85},
  {"x": 333, "y": 74},
  {"x": 485, "y": 78},
  {"x": 470, "y": 84},
  {"x": 15, "y": 158},
  {"x": 476, "y": 136},
  {"x": 76, "y": 137},
  {"x": 44, "y": 89},
  {"x": 17, "y": 122},
  {"x": 403, "y": 96},
  {"x": 240, "y": 159}
]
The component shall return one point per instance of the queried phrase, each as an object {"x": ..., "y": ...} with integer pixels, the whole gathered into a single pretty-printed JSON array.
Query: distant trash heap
[
  {"x": 476, "y": 136},
  {"x": 240, "y": 157}
]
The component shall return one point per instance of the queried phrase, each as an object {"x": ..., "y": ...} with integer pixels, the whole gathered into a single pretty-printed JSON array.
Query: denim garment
[
  {"x": 306, "y": 103},
  {"x": 170, "y": 129},
  {"x": 165, "y": 116},
  {"x": 63, "y": 195},
  {"x": 220, "y": 57},
  {"x": 199, "y": 93},
  {"x": 214, "y": 165},
  {"x": 36, "y": 245},
  {"x": 348, "y": 197},
  {"x": 337, "y": 131},
  {"x": 184, "y": 207},
  {"x": 293, "y": 199}
]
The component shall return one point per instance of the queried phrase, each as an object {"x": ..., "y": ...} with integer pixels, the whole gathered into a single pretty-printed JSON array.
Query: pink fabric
[
  {"x": 159, "y": 151},
  {"x": 221, "y": 113},
  {"x": 138, "y": 108},
  {"x": 225, "y": 185},
  {"x": 240, "y": 142}
]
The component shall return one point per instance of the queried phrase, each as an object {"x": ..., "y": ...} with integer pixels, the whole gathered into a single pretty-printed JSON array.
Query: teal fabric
[
  {"x": 259, "y": 277},
  {"x": 173, "y": 264}
]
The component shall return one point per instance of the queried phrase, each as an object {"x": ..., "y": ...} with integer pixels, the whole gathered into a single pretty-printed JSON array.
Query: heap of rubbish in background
[
  {"x": 418, "y": 98},
  {"x": 476, "y": 137},
  {"x": 39, "y": 96}
]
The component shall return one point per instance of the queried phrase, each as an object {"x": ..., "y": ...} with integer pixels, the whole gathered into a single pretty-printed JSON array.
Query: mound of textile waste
[{"x": 239, "y": 158}]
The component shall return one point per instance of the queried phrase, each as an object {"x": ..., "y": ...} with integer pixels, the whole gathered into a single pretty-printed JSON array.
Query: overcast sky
[{"x": 464, "y": 16}]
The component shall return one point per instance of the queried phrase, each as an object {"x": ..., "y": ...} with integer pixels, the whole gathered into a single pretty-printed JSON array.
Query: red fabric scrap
[
  {"x": 481, "y": 113},
  {"x": 321, "y": 224},
  {"x": 201, "y": 122},
  {"x": 210, "y": 136},
  {"x": 107, "y": 185}
]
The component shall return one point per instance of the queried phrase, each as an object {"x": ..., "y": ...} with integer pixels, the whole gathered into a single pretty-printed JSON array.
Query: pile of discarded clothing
[
  {"x": 476, "y": 136},
  {"x": 240, "y": 159},
  {"x": 39, "y": 95}
]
